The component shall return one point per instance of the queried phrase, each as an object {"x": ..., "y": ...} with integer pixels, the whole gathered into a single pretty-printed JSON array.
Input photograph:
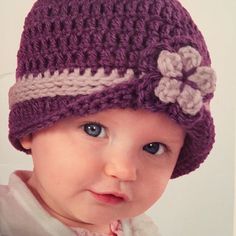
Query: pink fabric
[{"x": 115, "y": 230}]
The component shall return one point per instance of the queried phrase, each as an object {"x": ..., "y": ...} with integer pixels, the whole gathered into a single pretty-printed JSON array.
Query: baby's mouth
[{"x": 110, "y": 198}]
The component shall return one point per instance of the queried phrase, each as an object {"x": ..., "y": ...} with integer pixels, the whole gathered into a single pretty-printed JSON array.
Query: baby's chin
[{"x": 107, "y": 218}]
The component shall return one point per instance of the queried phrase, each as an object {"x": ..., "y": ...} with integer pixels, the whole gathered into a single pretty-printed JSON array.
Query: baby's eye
[
  {"x": 155, "y": 148},
  {"x": 94, "y": 129}
]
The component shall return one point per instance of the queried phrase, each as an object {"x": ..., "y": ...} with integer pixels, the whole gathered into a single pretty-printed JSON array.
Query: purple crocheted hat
[{"x": 79, "y": 57}]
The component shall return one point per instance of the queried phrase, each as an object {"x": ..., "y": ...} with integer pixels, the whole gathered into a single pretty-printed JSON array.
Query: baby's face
[{"x": 123, "y": 151}]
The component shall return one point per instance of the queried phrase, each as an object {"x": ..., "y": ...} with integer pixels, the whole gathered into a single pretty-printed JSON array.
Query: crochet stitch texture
[{"x": 80, "y": 57}]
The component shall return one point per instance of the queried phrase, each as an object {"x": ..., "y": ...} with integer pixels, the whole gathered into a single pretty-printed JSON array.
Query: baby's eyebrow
[
  {"x": 104, "y": 119},
  {"x": 175, "y": 141},
  {"x": 165, "y": 138}
]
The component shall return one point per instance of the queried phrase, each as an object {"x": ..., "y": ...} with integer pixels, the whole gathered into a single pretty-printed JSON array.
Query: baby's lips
[
  {"x": 114, "y": 193},
  {"x": 120, "y": 195}
]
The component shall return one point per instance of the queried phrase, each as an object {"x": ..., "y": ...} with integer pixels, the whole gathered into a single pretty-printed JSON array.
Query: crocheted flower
[{"x": 184, "y": 80}]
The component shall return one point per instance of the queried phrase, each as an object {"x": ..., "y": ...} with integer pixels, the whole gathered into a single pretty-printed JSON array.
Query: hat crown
[{"x": 124, "y": 34}]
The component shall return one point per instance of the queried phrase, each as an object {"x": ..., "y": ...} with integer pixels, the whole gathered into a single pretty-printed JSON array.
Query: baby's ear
[{"x": 26, "y": 141}]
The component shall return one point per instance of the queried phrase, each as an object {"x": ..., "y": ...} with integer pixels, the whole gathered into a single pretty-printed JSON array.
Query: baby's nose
[{"x": 121, "y": 166}]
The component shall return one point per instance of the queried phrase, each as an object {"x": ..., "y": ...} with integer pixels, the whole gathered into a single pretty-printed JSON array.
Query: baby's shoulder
[
  {"x": 4, "y": 195},
  {"x": 4, "y": 190}
]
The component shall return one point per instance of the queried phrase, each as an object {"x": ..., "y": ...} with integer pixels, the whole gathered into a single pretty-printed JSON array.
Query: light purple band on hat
[{"x": 63, "y": 84}]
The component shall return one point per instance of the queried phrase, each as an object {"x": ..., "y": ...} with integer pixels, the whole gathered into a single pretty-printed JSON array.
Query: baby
[{"x": 111, "y": 100}]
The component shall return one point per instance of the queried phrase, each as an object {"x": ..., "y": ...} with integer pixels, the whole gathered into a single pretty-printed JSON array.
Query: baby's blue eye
[
  {"x": 154, "y": 148},
  {"x": 95, "y": 130}
]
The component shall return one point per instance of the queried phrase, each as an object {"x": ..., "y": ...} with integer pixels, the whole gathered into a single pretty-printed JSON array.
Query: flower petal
[
  {"x": 191, "y": 58},
  {"x": 190, "y": 100},
  {"x": 168, "y": 90},
  {"x": 169, "y": 64},
  {"x": 205, "y": 78}
]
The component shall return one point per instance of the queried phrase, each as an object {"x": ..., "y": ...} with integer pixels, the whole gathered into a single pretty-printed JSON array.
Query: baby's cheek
[
  {"x": 155, "y": 193},
  {"x": 142, "y": 202},
  {"x": 153, "y": 186}
]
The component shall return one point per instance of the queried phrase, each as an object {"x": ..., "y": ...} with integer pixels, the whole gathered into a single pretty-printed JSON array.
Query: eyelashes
[
  {"x": 97, "y": 130},
  {"x": 155, "y": 148},
  {"x": 94, "y": 129}
]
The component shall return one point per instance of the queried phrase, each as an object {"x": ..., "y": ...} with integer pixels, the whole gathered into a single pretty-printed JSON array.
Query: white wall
[
  {"x": 12, "y": 15},
  {"x": 200, "y": 203}
]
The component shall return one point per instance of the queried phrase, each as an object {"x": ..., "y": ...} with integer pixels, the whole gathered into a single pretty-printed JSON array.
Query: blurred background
[{"x": 201, "y": 203}]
